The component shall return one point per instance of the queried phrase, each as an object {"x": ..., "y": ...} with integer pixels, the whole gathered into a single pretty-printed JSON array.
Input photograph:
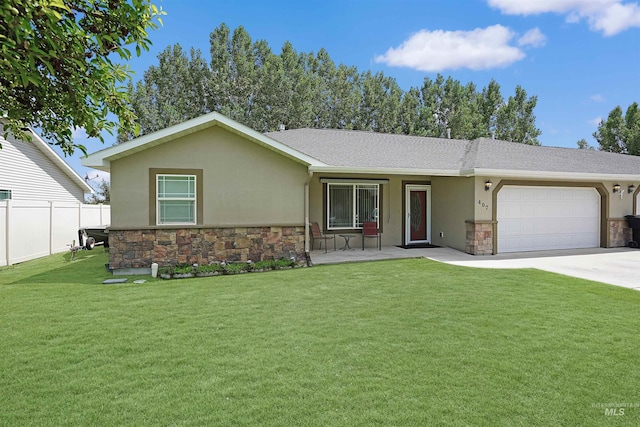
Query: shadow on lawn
[{"x": 87, "y": 267}]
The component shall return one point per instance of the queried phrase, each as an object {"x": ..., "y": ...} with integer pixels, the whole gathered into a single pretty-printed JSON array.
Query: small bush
[
  {"x": 183, "y": 269},
  {"x": 211, "y": 268}
]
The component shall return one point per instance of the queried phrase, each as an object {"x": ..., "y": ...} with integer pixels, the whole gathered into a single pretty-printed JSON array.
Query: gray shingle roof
[
  {"x": 358, "y": 149},
  {"x": 370, "y": 150}
]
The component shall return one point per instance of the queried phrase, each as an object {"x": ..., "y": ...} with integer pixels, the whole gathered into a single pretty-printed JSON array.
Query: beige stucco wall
[
  {"x": 244, "y": 184},
  {"x": 620, "y": 206},
  {"x": 391, "y": 206},
  {"x": 453, "y": 202}
]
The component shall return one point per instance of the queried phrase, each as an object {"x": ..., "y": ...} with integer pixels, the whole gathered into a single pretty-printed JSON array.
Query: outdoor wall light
[
  {"x": 631, "y": 189},
  {"x": 616, "y": 188},
  {"x": 487, "y": 185}
]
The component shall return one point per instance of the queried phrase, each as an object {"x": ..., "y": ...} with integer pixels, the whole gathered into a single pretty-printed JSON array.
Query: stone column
[
  {"x": 479, "y": 239},
  {"x": 619, "y": 233}
]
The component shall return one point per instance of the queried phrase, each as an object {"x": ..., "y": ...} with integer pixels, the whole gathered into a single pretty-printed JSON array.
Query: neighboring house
[
  {"x": 212, "y": 189},
  {"x": 41, "y": 201},
  {"x": 33, "y": 171}
]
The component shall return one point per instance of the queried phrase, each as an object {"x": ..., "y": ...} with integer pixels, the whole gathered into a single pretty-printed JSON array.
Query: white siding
[{"x": 31, "y": 175}]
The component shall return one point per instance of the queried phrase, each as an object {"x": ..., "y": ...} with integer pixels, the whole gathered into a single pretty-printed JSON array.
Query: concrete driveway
[{"x": 615, "y": 266}]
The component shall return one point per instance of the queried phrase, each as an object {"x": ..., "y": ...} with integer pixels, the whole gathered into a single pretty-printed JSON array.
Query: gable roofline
[
  {"x": 102, "y": 159},
  {"x": 41, "y": 145}
]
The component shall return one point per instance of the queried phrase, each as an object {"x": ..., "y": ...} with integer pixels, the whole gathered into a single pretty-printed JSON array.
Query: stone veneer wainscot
[
  {"x": 479, "y": 239},
  {"x": 619, "y": 232},
  {"x": 141, "y": 248}
]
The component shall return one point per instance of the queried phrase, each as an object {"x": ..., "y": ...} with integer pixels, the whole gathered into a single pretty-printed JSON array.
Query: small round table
[{"x": 346, "y": 238}]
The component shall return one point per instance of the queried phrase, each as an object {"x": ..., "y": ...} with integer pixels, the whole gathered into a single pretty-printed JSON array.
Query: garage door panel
[{"x": 543, "y": 218}]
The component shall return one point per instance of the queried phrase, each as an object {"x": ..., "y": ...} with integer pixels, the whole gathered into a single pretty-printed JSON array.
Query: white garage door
[{"x": 544, "y": 218}]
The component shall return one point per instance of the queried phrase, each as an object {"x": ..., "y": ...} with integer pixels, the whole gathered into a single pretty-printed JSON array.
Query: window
[
  {"x": 176, "y": 196},
  {"x": 349, "y": 205},
  {"x": 5, "y": 194}
]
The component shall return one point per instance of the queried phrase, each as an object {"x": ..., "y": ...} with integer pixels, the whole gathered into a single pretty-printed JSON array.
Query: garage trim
[
  {"x": 635, "y": 201},
  {"x": 598, "y": 186}
]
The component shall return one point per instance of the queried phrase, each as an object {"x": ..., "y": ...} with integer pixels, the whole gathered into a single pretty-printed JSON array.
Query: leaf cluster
[
  {"x": 620, "y": 133},
  {"x": 58, "y": 69}
]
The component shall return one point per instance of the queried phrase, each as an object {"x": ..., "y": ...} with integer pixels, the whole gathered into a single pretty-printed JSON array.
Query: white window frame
[
  {"x": 193, "y": 199},
  {"x": 7, "y": 191},
  {"x": 354, "y": 219}
]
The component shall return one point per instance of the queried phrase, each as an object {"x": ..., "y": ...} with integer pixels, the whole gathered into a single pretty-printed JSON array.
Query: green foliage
[
  {"x": 210, "y": 268},
  {"x": 183, "y": 269},
  {"x": 102, "y": 194},
  {"x": 515, "y": 121},
  {"x": 248, "y": 83},
  {"x": 392, "y": 343},
  {"x": 620, "y": 134},
  {"x": 584, "y": 145},
  {"x": 264, "y": 265},
  {"x": 56, "y": 64}
]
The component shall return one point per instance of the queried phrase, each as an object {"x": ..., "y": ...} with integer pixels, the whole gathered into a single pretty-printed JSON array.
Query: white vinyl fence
[{"x": 31, "y": 230}]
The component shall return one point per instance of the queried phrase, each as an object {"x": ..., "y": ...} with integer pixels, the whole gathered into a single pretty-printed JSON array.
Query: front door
[{"x": 417, "y": 214}]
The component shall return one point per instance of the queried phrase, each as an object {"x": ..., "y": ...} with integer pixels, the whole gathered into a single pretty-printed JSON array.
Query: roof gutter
[
  {"x": 546, "y": 175},
  {"x": 385, "y": 171}
]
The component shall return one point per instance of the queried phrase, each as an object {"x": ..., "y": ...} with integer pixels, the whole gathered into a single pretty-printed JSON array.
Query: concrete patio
[{"x": 615, "y": 266}]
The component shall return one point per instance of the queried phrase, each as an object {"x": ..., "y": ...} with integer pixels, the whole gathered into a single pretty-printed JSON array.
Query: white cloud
[
  {"x": 78, "y": 133},
  {"x": 597, "y": 98},
  {"x": 479, "y": 49},
  {"x": 533, "y": 38},
  {"x": 608, "y": 16},
  {"x": 595, "y": 121},
  {"x": 617, "y": 18}
]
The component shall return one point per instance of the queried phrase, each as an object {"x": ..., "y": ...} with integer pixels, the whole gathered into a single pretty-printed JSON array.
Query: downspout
[{"x": 307, "y": 250}]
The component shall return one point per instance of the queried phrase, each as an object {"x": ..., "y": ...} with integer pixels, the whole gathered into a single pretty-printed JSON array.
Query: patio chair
[
  {"x": 370, "y": 229},
  {"x": 317, "y": 235}
]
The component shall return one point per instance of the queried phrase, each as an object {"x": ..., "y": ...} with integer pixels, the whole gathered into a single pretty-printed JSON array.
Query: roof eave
[
  {"x": 384, "y": 171},
  {"x": 550, "y": 175}
]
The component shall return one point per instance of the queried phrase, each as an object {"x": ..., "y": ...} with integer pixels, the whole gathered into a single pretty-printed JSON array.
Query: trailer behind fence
[{"x": 30, "y": 230}]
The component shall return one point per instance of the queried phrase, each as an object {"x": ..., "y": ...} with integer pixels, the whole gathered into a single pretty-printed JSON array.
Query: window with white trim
[
  {"x": 5, "y": 194},
  {"x": 176, "y": 199},
  {"x": 349, "y": 205}
]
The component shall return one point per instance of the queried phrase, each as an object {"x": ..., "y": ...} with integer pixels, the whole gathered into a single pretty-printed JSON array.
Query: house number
[{"x": 483, "y": 204}]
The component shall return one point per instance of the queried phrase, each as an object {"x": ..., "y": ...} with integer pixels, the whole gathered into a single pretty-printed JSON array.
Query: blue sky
[{"x": 581, "y": 58}]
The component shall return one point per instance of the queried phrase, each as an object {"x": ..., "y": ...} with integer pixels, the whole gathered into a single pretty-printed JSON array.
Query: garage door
[{"x": 543, "y": 218}]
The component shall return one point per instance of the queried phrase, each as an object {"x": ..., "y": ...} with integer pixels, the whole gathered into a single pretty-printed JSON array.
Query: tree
[
  {"x": 175, "y": 90},
  {"x": 250, "y": 84},
  {"x": 57, "y": 69},
  {"x": 490, "y": 103},
  {"x": 584, "y": 145},
  {"x": 102, "y": 194},
  {"x": 516, "y": 121},
  {"x": 620, "y": 134}
]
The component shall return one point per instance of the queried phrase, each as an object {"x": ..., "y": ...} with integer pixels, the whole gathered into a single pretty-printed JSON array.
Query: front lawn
[{"x": 410, "y": 342}]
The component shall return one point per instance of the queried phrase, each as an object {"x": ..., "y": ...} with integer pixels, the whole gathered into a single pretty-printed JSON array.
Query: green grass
[{"x": 410, "y": 342}]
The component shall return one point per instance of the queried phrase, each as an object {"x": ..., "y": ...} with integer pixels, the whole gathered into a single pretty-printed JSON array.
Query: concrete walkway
[{"x": 615, "y": 266}]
